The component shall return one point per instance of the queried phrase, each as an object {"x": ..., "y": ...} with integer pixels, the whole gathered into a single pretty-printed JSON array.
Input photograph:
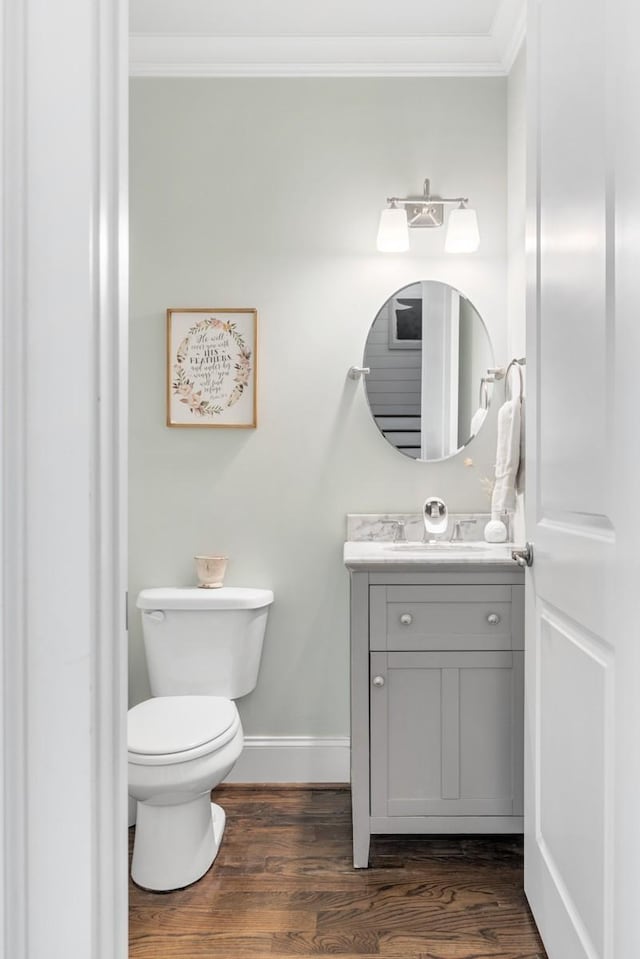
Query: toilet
[{"x": 203, "y": 650}]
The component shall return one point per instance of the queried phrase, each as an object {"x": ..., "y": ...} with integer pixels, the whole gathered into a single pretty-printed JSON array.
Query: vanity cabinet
[{"x": 437, "y": 702}]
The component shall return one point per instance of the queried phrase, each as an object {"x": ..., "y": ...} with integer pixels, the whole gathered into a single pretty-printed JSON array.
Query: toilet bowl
[
  {"x": 203, "y": 650},
  {"x": 180, "y": 748}
]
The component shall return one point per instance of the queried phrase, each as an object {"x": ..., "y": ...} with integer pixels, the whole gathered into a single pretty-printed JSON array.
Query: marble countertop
[{"x": 371, "y": 554}]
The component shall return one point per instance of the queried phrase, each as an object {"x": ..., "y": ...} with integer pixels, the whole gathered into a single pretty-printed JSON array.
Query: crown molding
[
  {"x": 514, "y": 42},
  {"x": 508, "y": 30},
  {"x": 208, "y": 56}
]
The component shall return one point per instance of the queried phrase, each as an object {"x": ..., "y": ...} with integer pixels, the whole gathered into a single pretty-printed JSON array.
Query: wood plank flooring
[{"x": 283, "y": 886}]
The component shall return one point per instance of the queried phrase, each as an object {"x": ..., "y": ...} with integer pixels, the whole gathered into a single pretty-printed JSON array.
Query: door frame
[{"x": 63, "y": 318}]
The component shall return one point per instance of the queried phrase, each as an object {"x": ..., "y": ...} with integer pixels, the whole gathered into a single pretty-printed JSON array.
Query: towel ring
[{"x": 518, "y": 366}]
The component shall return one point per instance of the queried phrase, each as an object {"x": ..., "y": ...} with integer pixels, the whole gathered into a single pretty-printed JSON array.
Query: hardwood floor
[{"x": 283, "y": 886}]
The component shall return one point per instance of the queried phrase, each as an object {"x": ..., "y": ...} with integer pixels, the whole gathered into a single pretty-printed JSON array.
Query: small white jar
[{"x": 495, "y": 531}]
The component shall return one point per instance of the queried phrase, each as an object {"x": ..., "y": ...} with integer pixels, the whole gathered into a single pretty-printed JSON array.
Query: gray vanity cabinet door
[{"x": 446, "y": 733}]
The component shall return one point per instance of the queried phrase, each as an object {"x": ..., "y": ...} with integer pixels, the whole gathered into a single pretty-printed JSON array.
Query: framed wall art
[
  {"x": 211, "y": 367},
  {"x": 405, "y": 323}
]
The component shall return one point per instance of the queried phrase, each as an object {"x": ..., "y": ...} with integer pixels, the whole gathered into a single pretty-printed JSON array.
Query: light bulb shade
[
  {"x": 393, "y": 231},
  {"x": 463, "y": 235}
]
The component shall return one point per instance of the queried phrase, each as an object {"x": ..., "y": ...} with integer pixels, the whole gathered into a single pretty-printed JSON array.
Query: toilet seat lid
[{"x": 168, "y": 725}]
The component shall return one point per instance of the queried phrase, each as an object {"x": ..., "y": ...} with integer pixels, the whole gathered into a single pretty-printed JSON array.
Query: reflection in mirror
[{"x": 428, "y": 351}]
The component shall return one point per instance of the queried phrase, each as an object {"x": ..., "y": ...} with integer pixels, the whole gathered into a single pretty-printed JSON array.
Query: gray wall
[{"x": 267, "y": 193}]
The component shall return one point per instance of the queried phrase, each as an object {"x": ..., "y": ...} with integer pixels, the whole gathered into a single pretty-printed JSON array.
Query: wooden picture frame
[{"x": 211, "y": 367}]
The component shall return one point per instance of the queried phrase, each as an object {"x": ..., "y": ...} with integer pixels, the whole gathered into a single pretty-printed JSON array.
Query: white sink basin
[
  {"x": 460, "y": 547},
  {"x": 377, "y": 555}
]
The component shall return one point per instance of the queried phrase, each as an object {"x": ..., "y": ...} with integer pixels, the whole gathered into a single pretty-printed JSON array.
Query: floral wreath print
[{"x": 185, "y": 388}]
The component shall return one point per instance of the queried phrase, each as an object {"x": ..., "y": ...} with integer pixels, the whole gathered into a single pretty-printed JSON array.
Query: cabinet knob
[
  {"x": 406, "y": 619},
  {"x": 378, "y": 680},
  {"x": 493, "y": 619}
]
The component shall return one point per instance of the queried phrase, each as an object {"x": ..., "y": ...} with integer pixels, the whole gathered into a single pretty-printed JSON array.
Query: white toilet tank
[{"x": 203, "y": 642}]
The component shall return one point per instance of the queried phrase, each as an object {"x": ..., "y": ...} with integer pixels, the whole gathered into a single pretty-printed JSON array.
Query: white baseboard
[
  {"x": 292, "y": 759},
  {"x": 287, "y": 759}
]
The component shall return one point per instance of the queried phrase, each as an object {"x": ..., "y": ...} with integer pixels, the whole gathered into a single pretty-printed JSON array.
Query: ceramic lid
[
  {"x": 193, "y": 597},
  {"x": 174, "y": 724}
]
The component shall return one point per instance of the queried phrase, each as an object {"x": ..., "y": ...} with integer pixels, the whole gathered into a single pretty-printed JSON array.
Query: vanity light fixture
[
  {"x": 404, "y": 213},
  {"x": 393, "y": 229},
  {"x": 463, "y": 235}
]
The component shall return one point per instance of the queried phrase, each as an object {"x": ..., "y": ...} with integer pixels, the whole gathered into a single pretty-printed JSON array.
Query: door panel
[
  {"x": 445, "y": 734},
  {"x": 573, "y": 268},
  {"x": 406, "y": 735},
  {"x": 574, "y": 616},
  {"x": 573, "y": 765},
  {"x": 485, "y": 705}
]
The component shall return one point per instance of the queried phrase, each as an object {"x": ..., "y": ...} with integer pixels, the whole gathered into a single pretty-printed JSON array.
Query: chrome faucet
[
  {"x": 456, "y": 532},
  {"x": 436, "y": 518},
  {"x": 399, "y": 532}
]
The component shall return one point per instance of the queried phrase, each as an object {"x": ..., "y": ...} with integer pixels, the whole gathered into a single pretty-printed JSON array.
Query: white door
[{"x": 582, "y": 852}]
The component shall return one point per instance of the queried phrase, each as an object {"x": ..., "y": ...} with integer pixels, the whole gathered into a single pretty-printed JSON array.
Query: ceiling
[{"x": 324, "y": 37}]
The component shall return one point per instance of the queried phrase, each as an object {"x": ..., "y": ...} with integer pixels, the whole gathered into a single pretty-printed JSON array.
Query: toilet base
[{"x": 174, "y": 846}]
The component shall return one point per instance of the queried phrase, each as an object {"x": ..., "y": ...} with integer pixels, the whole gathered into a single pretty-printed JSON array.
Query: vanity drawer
[{"x": 441, "y": 617}]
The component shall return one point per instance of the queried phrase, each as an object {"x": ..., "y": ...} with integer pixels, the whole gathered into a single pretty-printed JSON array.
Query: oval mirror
[{"x": 428, "y": 352}]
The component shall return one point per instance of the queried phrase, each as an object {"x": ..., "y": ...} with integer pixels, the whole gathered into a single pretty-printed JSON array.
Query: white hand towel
[
  {"x": 477, "y": 420},
  {"x": 507, "y": 457}
]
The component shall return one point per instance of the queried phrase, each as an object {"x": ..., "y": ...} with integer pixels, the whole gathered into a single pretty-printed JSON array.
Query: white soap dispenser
[{"x": 495, "y": 531}]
